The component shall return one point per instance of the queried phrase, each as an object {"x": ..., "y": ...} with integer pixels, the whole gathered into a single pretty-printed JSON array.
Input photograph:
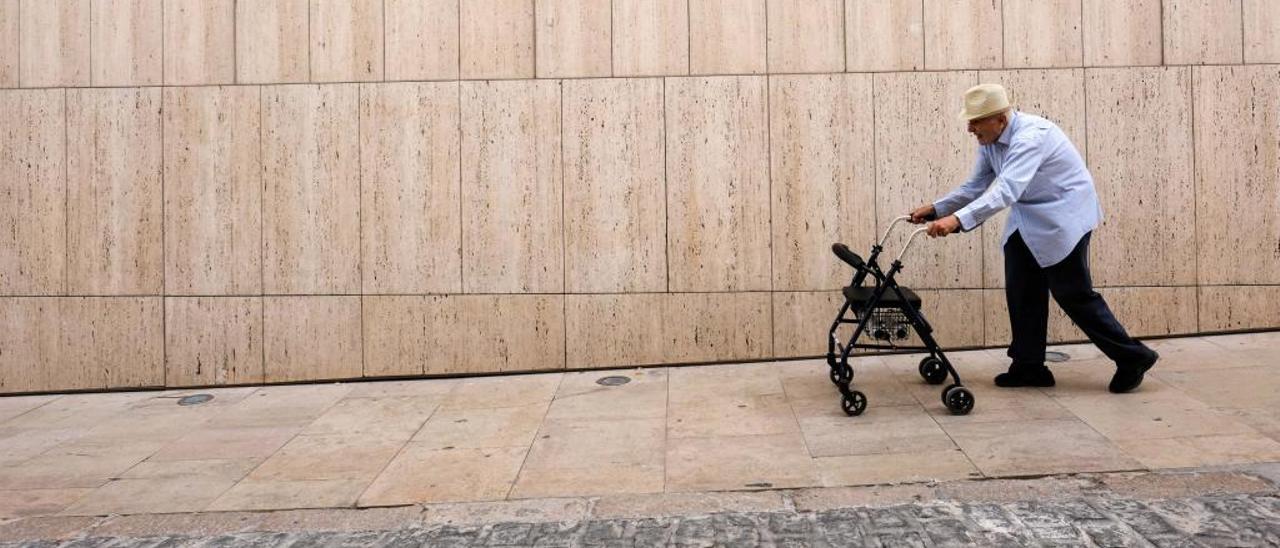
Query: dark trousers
[{"x": 1027, "y": 289}]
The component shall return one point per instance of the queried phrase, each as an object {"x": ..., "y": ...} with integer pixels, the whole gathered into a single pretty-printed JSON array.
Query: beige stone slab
[
  {"x": 955, "y": 316},
  {"x": 812, "y": 395},
  {"x": 10, "y": 43},
  {"x": 1151, "y": 415},
  {"x": 895, "y": 468},
  {"x": 1236, "y": 388},
  {"x": 1226, "y": 308},
  {"x": 544, "y": 510},
  {"x": 512, "y": 185},
  {"x": 728, "y": 37},
  {"x": 347, "y": 40},
  {"x": 883, "y": 35},
  {"x": 1142, "y": 113},
  {"x": 420, "y": 474},
  {"x": 1201, "y": 32},
  {"x": 650, "y": 37},
  {"x": 311, "y": 189},
  {"x": 1043, "y": 33},
  {"x": 1198, "y": 353},
  {"x": 199, "y": 42},
  {"x": 619, "y": 330},
  {"x": 1090, "y": 377},
  {"x": 269, "y": 41},
  {"x": 119, "y": 340},
  {"x": 410, "y": 188},
  {"x": 1188, "y": 452},
  {"x": 574, "y": 38},
  {"x": 438, "y": 335},
  {"x": 481, "y": 428},
  {"x": 74, "y": 414},
  {"x": 606, "y": 479},
  {"x": 496, "y": 38},
  {"x": 422, "y": 39},
  {"x": 416, "y": 388},
  {"x": 685, "y": 504},
  {"x": 708, "y": 383},
  {"x": 1237, "y": 169},
  {"x": 801, "y": 321},
  {"x": 963, "y": 34},
  {"x": 67, "y": 471},
  {"x": 822, "y": 176},
  {"x": 33, "y": 178},
  {"x": 383, "y": 419},
  {"x": 879, "y": 430},
  {"x": 614, "y": 186},
  {"x": 187, "y": 486},
  {"x": 38, "y": 502},
  {"x": 291, "y": 406},
  {"x": 806, "y": 35},
  {"x": 1037, "y": 447},
  {"x": 580, "y": 396},
  {"x": 30, "y": 345},
  {"x": 22, "y": 444},
  {"x": 220, "y": 443},
  {"x": 923, "y": 107},
  {"x": 114, "y": 192},
  {"x": 1261, "y": 18},
  {"x": 327, "y": 458},
  {"x": 312, "y": 338},
  {"x": 762, "y": 415},
  {"x": 213, "y": 190},
  {"x": 717, "y": 184},
  {"x": 252, "y": 494},
  {"x": 1122, "y": 33},
  {"x": 1261, "y": 340},
  {"x": 14, "y": 406},
  {"x": 58, "y": 55},
  {"x": 126, "y": 42},
  {"x": 739, "y": 463},
  {"x": 590, "y": 443},
  {"x": 504, "y": 391},
  {"x": 1057, "y": 95},
  {"x": 143, "y": 425}
]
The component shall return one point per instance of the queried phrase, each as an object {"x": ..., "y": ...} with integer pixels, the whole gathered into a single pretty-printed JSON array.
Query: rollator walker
[{"x": 886, "y": 312}]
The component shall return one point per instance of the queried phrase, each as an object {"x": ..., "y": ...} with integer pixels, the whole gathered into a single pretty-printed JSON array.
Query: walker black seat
[{"x": 858, "y": 296}]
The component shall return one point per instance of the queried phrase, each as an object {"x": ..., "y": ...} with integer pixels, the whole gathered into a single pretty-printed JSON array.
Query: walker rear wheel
[
  {"x": 932, "y": 370},
  {"x": 959, "y": 400}
]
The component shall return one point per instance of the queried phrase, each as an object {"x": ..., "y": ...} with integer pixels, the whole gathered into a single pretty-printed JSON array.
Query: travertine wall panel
[
  {"x": 496, "y": 38},
  {"x": 717, "y": 184},
  {"x": 1042, "y": 33},
  {"x": 213, "y": 190},
  {"x": 1261, "y": 31},
  {"x": 33, "y": 210},
  {"x": 1202, "y": 32},
  {"x": 422, "y": 39},
  {"x": 963, "y": 34},
  {"x": 10, "y": 43},
  {"x": 727, "y": 37},
  {"x": 126, "y": 42},
  {"x": 1143, "y": 311},
  {"x": 311, "y": 189},
  {"x": 806, "y": 35},
  {"x": 411, "y": 227},
  {"x": 312, "y": 338},
  {"x": 573, "y": 38},
  {"x": 882, "y": 35},
  {"x": 199, "y": 42},
  {"x": 346, "y": 40},
  {"x": 650, "y": 37},
  {"x": 614, "y": 191},
  {"x": 114, "y": 206},
  {"x": 1237, "y": 129},
  {"x": 57, "y": 55},
  {"x": 512, "y": 197},
  {"x": 1141, "y": 160},
  {"x": 213, "y": 341},
  {"x": 823, "y": 176},
  {"x": 1226, "y": 308},
  {"x": 1122, "y": 32},
  {"x": 269, "y": 35}
]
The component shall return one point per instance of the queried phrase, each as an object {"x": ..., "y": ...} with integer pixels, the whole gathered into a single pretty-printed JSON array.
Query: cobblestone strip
[{"x": 1228, "y": 520}]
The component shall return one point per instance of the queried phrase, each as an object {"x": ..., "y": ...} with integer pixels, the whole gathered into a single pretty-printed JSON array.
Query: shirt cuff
[{"x": 967, "y": 222}]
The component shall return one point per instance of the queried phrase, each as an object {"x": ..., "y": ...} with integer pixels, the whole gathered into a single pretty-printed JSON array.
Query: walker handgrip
[
  {"x": 848, "y": 256},
  {"x": 889, "y": 230}
]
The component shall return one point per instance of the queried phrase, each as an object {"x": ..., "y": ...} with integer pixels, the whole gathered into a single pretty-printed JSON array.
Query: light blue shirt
[{"x": 1038, "y": 172}]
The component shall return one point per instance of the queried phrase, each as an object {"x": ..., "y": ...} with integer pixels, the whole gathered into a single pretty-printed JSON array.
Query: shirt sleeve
[
  {"x": 979, "y": 180},
  {"x": 1020, "y": 165}
]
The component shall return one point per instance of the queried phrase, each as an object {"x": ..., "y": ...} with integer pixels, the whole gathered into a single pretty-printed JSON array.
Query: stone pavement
[{"x": 764, "y": 427}]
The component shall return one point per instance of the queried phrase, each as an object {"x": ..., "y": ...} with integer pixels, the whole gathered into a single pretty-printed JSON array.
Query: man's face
[{"x": 988, "y": 129}]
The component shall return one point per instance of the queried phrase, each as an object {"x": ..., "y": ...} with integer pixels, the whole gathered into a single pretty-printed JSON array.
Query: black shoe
[
  {"x": 1128, "y": 377},
  {"x": 1039, "y": 377}
]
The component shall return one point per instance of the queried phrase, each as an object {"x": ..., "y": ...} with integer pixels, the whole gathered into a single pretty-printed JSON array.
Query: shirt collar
[{"x": 1007, "y": 135}]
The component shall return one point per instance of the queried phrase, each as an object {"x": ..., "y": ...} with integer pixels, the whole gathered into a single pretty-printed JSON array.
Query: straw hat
[{"x": 984, "y": 100}]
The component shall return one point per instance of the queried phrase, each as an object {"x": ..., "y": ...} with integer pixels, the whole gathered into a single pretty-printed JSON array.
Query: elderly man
[{"x": 1028, "y": 163}]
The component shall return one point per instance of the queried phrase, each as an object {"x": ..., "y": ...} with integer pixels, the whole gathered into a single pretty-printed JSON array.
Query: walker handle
[
  {"x": 889, "y": 230},
  {"x": 909, "y": 241}
]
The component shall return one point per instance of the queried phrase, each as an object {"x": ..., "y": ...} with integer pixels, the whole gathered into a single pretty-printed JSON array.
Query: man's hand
[
  {"x": 944, "y": 226},
  {"x": 922, "y": 213}
]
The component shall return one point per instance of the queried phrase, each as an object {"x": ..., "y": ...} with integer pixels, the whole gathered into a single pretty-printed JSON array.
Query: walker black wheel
[
  {"x": 853, "y": 403},
  {"x": 959, "y": 400},
  {"x": 945, "y": 390},
  {"x": 932, "y": 370},
  {"x": 841, "y": 375}
]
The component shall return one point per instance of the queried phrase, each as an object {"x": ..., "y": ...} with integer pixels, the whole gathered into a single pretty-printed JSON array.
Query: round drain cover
[
  {"x": 1054, "y": 356},
  {"x": 196, "y": 399},
  {"x": 615, "y": 380}
]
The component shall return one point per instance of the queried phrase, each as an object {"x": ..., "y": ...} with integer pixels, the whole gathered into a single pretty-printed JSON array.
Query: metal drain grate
[
  {"x": 195, "y": 399},
  {"x": 613, "y": 380}
]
